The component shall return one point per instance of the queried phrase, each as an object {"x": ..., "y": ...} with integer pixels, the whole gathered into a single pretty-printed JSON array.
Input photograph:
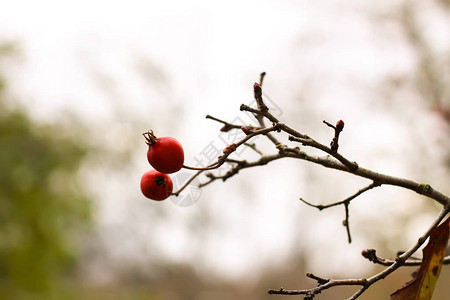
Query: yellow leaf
[{"x": 422, "y": 286}]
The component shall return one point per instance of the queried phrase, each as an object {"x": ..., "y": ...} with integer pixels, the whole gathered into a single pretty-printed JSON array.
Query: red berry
[
  {"x": 165, "y": 154},
  {"x": 156, "y": 185}
]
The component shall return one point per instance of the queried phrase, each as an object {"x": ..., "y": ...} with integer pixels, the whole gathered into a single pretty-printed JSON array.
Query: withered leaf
[{"x": 422, "y": 286}]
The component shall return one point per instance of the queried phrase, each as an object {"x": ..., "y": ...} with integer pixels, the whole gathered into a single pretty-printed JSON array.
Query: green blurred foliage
[{"x": 43, "y": 209}]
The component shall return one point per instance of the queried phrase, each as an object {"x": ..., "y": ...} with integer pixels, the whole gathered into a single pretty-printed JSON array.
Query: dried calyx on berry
[{"x": 150, "y": 138}]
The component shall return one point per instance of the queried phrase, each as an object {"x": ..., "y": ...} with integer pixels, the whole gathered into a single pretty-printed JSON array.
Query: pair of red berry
[{"x": 166, "y": 156}]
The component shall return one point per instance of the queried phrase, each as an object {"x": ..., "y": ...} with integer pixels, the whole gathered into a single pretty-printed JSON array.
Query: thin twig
[
  {"x": 253, "y": 147},
  {"x": 261, "y": 78},
  {"x": 240, "y": 165},
  {"x": 231, "y": 148},
  {"x": 371, "y": 255},
  {"x": 352, "y": 166},
  {"x": 363, "y": 282},
  {"x": 187, "y": 182},
  {"x": 257, "y": 90},
  {"x": 346, "y": 203},
  {"x": 348, "y": 199},
  {"x": 346, "y": 222},
  {"x": 226, "y": 126}
]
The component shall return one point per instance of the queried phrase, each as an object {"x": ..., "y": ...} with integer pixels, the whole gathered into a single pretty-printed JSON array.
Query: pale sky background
[{"x": 127, "y": 66}]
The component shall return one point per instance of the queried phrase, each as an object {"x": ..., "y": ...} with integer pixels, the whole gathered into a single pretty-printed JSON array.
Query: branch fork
[{"x": 331, "y": 160}]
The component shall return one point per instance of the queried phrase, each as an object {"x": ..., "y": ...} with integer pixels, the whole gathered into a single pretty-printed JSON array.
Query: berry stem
[{"x": 210, "y": 167}]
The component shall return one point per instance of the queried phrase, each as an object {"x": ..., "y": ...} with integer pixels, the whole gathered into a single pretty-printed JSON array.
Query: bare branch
[
  {"x": 240, "y": 165},
  {"x": 371, "y": 255},
  {"x": 187, "y": 183},
  {"x": 257, "y": 90},
  {"x": 258, "y": 97},
  {"x": 348, "y": 199},
  {"x": 231, "y": 148},
  {"x": 346, "y": 222},
  {"x": 333, "y": 160},
  {"x": 363, "y": 282},
  {"x": 352, "y": 166},
  {"x": 420, "y": 188},
  {"x": 261, "y": 78},
  {"x": 254, "y": 148},
  {"x": 346, "y": 203}
]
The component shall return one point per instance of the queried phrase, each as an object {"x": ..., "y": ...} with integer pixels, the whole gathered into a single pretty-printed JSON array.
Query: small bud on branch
[
  {"x": 229, "y": 149},
  {"x": 337, "y": 130},
  {"x": 258, "y": 97},
  {"x": 247, "y": 129}
]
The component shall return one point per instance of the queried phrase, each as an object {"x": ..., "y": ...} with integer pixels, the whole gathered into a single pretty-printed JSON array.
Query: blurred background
[{"x": 82, "y": 80}]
